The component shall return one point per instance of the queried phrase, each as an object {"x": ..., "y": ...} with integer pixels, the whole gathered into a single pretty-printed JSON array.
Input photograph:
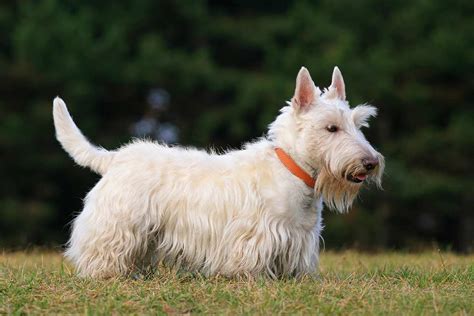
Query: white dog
[{"x": 255, "y": 211}]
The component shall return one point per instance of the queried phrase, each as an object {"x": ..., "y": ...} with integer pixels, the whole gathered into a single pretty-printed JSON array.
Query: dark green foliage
[{"x": 228, "y": 69}]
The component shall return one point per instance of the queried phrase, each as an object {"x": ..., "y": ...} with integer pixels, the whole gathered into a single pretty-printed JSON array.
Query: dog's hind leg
[{"x": 106, "y": 242}]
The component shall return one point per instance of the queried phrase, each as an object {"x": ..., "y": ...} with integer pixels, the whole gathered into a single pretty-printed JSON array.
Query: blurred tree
[{"x": 228, "y": 67}]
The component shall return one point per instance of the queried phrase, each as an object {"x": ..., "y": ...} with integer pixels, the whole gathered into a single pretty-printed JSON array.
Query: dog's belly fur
[{"x": 217, "y": 214}]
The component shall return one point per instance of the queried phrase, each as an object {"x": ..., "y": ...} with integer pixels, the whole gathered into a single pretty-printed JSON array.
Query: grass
[{"x": 349, "y": 283}]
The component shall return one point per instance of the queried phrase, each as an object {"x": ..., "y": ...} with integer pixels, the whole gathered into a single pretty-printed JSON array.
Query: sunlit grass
[{"x": 349, "y": 283}]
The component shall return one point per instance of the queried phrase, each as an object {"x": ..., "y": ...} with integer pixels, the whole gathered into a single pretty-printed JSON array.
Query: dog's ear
[
  {"x": 362, "y": 113},
  {"x": 337, "y": 84},
  {"x": 305, "y": 92}
]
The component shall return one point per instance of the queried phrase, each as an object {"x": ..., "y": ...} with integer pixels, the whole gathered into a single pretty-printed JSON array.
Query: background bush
[{"x": 227, "y": 68}]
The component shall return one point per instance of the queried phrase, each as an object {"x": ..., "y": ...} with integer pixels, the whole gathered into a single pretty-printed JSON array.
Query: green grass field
[{"x": 349, "y": 283}]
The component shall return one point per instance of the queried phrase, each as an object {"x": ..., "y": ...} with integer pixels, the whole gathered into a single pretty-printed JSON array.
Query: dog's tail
[{"x": 75, "y": 144}]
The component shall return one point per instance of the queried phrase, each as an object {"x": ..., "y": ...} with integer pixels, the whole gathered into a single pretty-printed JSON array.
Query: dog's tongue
[{"x": 361, "y": 176}]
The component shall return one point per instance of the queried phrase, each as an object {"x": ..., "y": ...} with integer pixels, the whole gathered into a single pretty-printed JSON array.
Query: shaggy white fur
[{"x": 239, "y": 213}]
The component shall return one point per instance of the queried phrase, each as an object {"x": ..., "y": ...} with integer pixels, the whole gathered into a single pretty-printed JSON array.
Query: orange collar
[{"x": 291, "y": 165}]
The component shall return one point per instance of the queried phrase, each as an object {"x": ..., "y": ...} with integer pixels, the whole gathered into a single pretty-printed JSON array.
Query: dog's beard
[{"x": 338, "y": 193}]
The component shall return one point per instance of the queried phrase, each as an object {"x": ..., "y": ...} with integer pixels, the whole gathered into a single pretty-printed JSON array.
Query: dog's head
[{"x": 324, "y": 133}]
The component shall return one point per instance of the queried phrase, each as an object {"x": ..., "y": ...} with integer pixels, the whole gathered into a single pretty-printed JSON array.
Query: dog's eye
[{"x": 332, "y": 128}]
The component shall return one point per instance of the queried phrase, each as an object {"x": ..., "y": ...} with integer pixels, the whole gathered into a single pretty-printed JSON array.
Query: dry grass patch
[{"x": 349, "y": 283}]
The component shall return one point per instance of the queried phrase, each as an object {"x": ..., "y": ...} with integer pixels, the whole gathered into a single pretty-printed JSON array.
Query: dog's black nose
[{"x": 370, "y": 163}]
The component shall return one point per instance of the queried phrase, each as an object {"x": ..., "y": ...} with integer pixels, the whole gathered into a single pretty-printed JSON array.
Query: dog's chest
[{"x": 298, "y": 207}]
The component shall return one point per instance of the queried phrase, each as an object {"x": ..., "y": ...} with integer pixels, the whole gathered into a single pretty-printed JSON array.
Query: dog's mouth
[{"x": 357, "y": 178}]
